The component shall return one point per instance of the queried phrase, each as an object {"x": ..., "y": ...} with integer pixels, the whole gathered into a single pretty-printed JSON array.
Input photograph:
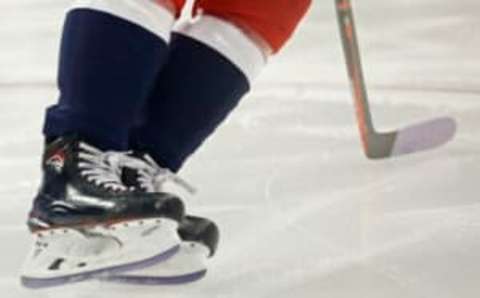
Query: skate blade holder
[
  {"x": 188, "y": 265},
  {"x": 62, "y": 256}
]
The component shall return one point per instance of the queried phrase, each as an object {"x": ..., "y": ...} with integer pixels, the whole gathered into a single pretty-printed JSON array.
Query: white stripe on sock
[
  {"x": 145, "y": 13},
  {"x": 228, "y": 40}
]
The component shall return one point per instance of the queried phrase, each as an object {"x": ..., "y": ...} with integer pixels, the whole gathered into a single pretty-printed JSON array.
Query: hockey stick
[{"x": 423, "y": 136}]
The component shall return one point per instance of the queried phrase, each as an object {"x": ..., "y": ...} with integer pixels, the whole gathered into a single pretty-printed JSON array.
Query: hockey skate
[
  {"x": 87, "y": 223},
  {"x": 199, "y": 236}
]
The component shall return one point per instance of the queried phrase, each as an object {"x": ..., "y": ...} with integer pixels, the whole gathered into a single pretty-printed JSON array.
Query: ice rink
[{"x": 302, "y": 212}]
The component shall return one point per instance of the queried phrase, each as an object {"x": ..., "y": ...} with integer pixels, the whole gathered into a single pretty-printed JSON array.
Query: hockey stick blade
[{"x": 420, "y": 137}]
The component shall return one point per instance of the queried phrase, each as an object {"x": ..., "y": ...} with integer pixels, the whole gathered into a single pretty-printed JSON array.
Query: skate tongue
[
  {"x": 164, "y": 176},
  {"x": 148, "y": 175}
]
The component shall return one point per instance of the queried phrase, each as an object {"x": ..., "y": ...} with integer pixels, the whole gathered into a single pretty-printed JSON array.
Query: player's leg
[
  {"x": 212, "y": 64},
  {"x": 111, "y": 52}
]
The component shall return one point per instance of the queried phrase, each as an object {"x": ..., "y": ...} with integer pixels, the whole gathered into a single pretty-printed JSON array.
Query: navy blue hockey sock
[
  {"x": 197, "y": 89},
  {"x": 109, "y": 59}
]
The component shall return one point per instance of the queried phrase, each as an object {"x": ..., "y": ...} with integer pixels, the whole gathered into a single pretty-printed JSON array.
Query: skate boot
[
  {"x": 87, "y": 223},
  {"x": 199, "y": 236}
]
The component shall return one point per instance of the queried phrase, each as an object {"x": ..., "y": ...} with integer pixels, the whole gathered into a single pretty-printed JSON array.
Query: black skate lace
[
  {"x": 152, "y": 177},
  {"x": 101, "y": 168}
]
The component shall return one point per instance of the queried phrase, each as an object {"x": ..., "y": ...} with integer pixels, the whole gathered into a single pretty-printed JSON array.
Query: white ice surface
[{"x": 302, "y": 212}]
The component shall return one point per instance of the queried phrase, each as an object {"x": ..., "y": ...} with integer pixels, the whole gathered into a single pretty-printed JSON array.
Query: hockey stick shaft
[{"x": 353, "y": 60}]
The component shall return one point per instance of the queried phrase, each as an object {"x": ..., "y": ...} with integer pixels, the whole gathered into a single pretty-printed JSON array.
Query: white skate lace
[
  {"x": 152, "y": 177},
  {"x": 101, "y": 168}
]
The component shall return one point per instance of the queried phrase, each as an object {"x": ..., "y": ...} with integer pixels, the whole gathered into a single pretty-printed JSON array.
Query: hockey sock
[
  {"x": 210, "y": 68},
  {"x": 111, "y": 53}
]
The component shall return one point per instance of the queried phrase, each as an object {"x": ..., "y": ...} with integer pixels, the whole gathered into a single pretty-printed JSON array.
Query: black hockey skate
[
  {"x": 199, "y": 236},
  {"x": 89, "y": 223}
]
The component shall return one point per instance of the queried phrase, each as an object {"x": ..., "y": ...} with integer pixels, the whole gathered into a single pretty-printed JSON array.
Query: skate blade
[
  {"x": 63, "y": 256},
  {"x": 188, "y": 265}
]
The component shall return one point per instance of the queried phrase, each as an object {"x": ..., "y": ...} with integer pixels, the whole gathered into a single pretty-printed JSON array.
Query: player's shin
[
  {"x": 211, "y": 67},
  {"x": 111, "y": 52}
]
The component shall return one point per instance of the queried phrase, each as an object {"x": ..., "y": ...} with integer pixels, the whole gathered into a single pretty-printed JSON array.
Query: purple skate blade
[
  {"x": 424, "y": 136},
  {"x": 156, "y": 280},
  {"x": 37, "y": 283}
]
